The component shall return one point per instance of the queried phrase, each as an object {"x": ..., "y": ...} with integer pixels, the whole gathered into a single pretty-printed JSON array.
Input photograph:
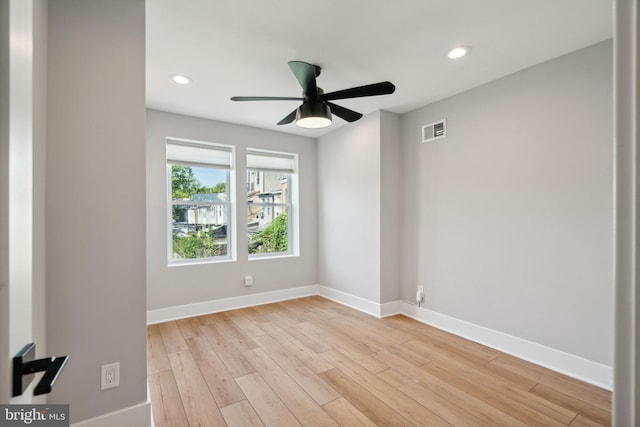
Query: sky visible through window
[{"x": 209, "y": 177}]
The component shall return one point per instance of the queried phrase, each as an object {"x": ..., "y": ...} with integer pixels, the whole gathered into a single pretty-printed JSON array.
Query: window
[
  {"x": 199, "y": 207},
  {"x": 271, "y": 199}
]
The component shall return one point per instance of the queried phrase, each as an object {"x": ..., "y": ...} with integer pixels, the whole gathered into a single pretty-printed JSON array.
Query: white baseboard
[
  {"x": 362, "y": 304},
  {"x": 133, "y": 416},
  {"x": 568, "y": 364},
  {"x": 349, "y": 300},
  {"x": 391, "y": 308},
  {"x": 574, "y": 366},
  {"x": 214, "y": 306}
]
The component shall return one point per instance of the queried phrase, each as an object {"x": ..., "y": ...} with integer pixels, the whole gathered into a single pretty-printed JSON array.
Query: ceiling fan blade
[
  {"x": 382, "y": 88},
  {"x": 291, "y": 117},
  {"x": 264, "y": 98},
  {"x": 344, "y": 113},
  {"x": 306, "y": 75}
]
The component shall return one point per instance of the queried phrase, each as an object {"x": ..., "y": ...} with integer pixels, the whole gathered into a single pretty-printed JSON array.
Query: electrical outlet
[
  {"x": 248, "y": 280},
  {"x": 110, "y": 376}
]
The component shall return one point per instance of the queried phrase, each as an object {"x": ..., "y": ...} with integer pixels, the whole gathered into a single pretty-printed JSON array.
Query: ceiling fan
[{"x": 316, "y": 108}]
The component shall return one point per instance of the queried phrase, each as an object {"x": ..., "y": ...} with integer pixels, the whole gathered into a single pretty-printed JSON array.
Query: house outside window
[
  {"x": 199, "y": 208},
  {"x": 271, "y": 203}
]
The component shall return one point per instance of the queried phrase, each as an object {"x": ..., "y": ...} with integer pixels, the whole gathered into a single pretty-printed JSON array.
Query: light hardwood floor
[{"x": 313, "y": 362}]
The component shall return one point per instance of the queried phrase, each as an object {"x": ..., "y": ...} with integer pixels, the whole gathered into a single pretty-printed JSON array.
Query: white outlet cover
[{"x": 110, "y": 376}]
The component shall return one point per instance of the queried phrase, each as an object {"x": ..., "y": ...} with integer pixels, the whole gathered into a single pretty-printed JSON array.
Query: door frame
[{"x": 22, "y": 192}]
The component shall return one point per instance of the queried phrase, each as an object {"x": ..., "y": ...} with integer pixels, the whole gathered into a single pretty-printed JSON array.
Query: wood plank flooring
[{"x": 313, "y": 362}]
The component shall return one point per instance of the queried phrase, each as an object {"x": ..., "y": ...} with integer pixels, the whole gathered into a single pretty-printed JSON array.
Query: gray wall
[
  {"x": 508, "y": 221},
  {"x": 187, "y": 284},
  {"x": 349, "y": 208},
  {"x": 359, "y": 197},
  {"x": 626, "y": 396},
  {"x": 95, "y": 201},
  {"x": 390, "y": 207}
]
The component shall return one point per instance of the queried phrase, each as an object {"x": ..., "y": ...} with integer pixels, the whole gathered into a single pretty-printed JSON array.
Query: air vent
[{"x": 435, "y": 130}]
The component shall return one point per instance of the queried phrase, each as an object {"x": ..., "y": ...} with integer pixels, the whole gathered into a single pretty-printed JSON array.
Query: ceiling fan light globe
[
  {"x": 313, "y": 115},
  {"x": 313, "y": 122}
]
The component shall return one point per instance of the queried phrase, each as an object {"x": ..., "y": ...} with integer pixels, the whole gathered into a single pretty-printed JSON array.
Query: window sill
[
  {"x": 199, "y": 262},
  {"x": 274, "y": 256}
]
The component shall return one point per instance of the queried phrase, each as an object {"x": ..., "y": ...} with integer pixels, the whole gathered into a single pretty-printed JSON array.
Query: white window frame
[
  {"x": 186, "y": 152},
  {"x": 282, "y": 162}
]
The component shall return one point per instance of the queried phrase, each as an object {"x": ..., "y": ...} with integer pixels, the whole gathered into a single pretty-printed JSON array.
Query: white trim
[
  {"x": 361, "y": 304},
  {"x": 574, "y": 366},
  {"x": 349, "y": 300},
  {"x": 214, "y": 306},
  {"x": 134, "y": 416},
  {"x": 391, "y": 308}
]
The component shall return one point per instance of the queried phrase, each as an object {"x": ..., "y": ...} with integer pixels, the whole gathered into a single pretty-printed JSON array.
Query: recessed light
[
  {"x": 458, "y": 52},
  {"x": 180, "y": 79}
]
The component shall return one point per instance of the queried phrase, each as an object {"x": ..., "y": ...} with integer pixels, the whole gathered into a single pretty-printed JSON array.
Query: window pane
[
  {"x": 190, "y": 181},
  {"x": 199, "y": 212},
  {"x": 199, "y": 231},
  {"x": 267, "y": 187},
  {"x": 268, "y": 228},
  {"x": 269, "y": 204}
]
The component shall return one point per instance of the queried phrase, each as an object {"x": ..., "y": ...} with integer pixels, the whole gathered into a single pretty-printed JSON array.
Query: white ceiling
[{"x": 241, "y": 47}]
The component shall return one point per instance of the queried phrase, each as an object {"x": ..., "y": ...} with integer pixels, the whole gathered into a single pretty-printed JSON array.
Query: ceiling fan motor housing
[{"x": 313, "y": 114}]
